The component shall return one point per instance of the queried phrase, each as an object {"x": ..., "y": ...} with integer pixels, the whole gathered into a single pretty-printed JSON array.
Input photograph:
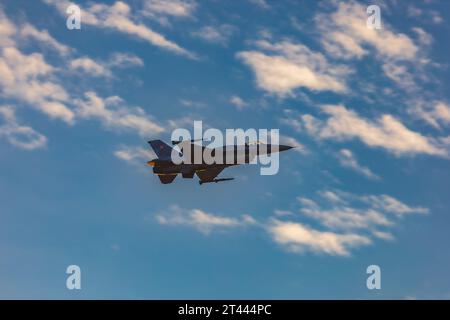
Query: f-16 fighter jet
[{"x": 188, "y": 163}]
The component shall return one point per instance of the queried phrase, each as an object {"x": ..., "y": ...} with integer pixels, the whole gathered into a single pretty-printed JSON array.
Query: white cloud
[
  {"x": 192, "y": 103},
  {"x": 29, "y": 78},
  {"x": 201, "y": 220},
  {"x": 114, "y": 116},
  {"x": 344, "y": 33},
  {"x": 178, "y": 8},
  {"x": 387, "y": 236},
  {"x": 289, "y": 66},
  {"x": 436, "y": 114},
  {"x": 306, "y": 202},
  {"x": 400, "y": 74},
  {"x": 7, "y": 30},
  {"x": 183, "y": 122},
  {"x": 345, "y": 211},
  {"x": 392, "y": 205},
  {"x": 428, "y": 15},
  {"x": 134, "y": 155},
  {"x": 299, "y": 238},
  {"x": 161, "y": 10},
  {"x": 442, "y": 112},
  {"x": 294, "y": 236},
  {"x": 387, "y": 132},
  {"x": 238, "y": 102},
  {"x": 103, "y": 69},
  {"x": 44, "y": 37},
  {"x": 331, "y": 196},
  {"x": 291, "y": 120},
  {"x": 424, "y": 37},
  {"x": 19, "y": 135},
  {"x": 261, "y": 4},
  {"x": 124, "y": 60},
  {"x": 347, "y": 159},
  {"x": 347, "y": 218},
  {"x": 118, "y": 17},
  {"x": 349, "y": 221},
  {"x": 90, "y": 66},
  {"x": 215, "y": 34}
]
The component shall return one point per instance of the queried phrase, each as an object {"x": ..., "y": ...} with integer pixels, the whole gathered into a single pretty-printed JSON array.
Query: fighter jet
[{"x": 167, "y": 170}]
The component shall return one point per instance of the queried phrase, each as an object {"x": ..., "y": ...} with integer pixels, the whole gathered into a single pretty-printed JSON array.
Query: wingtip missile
[{"x": 215, "y": 180}]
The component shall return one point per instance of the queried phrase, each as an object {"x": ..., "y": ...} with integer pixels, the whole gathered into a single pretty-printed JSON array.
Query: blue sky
[{"x": 369, "y": 112}]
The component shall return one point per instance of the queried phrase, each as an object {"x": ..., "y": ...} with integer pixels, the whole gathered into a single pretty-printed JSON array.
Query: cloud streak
[
  {"x": 348, "y": 160},
  {"x": 21, "y": 136},
  {"x": 118, "y": 17},
  {"x": 299, "y": 238},
  {"x": 280, "y": 68},
  {"x": 113, "y": 115},
  {"x": 386, "y": 132},
  {"x": 202, "y": 221}
]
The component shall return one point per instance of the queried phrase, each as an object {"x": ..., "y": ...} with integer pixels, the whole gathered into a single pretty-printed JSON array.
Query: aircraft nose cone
[{"x": 284, "y": 147}]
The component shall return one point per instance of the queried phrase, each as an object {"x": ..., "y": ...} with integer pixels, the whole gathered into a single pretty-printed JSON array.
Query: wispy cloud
[
  {"x": 263, "y": 4},
  {"x": 425, "y": 15},
  {"x": 345, "y": 33},
  {"x": 348, "y": 159},
  {"x": 391, "y": 205},
  {"x": 386, "y": 132},
  {"x": 436, "y": 114},
  {"x": 347, "y": 221},
  {"x": 294, "y": 236},
  {"x": 43, "y": 37},
  {"x": 238, "y": 102},
  {"x": 19, "y": 135},
  {"x": 215, "y": 34},
  {"x": 162, "y": 10},
  {"x": 300, "y": 238},
  {"x": 98, "y": 68},
  {"x": 29, "y": 78},
  {"x": 90, "y": 66},
  {"x": 403, "y": 58},
  {"x": 330, "y": 196},
  {"x": 118, "y": 17},
  {"x": 202, "y": 221},
  {"x": 125, "y": 60},
  {"x": 349, "y": 214},
  {"x": 345, "y": 211},
  {"x": 280, "y": 68},
  {"x": 113, "y": 114},
  {"x": 134, "y": 155}
]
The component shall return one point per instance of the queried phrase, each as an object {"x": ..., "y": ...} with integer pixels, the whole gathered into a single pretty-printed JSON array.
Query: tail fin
[{"x": 162, "y": 150}]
